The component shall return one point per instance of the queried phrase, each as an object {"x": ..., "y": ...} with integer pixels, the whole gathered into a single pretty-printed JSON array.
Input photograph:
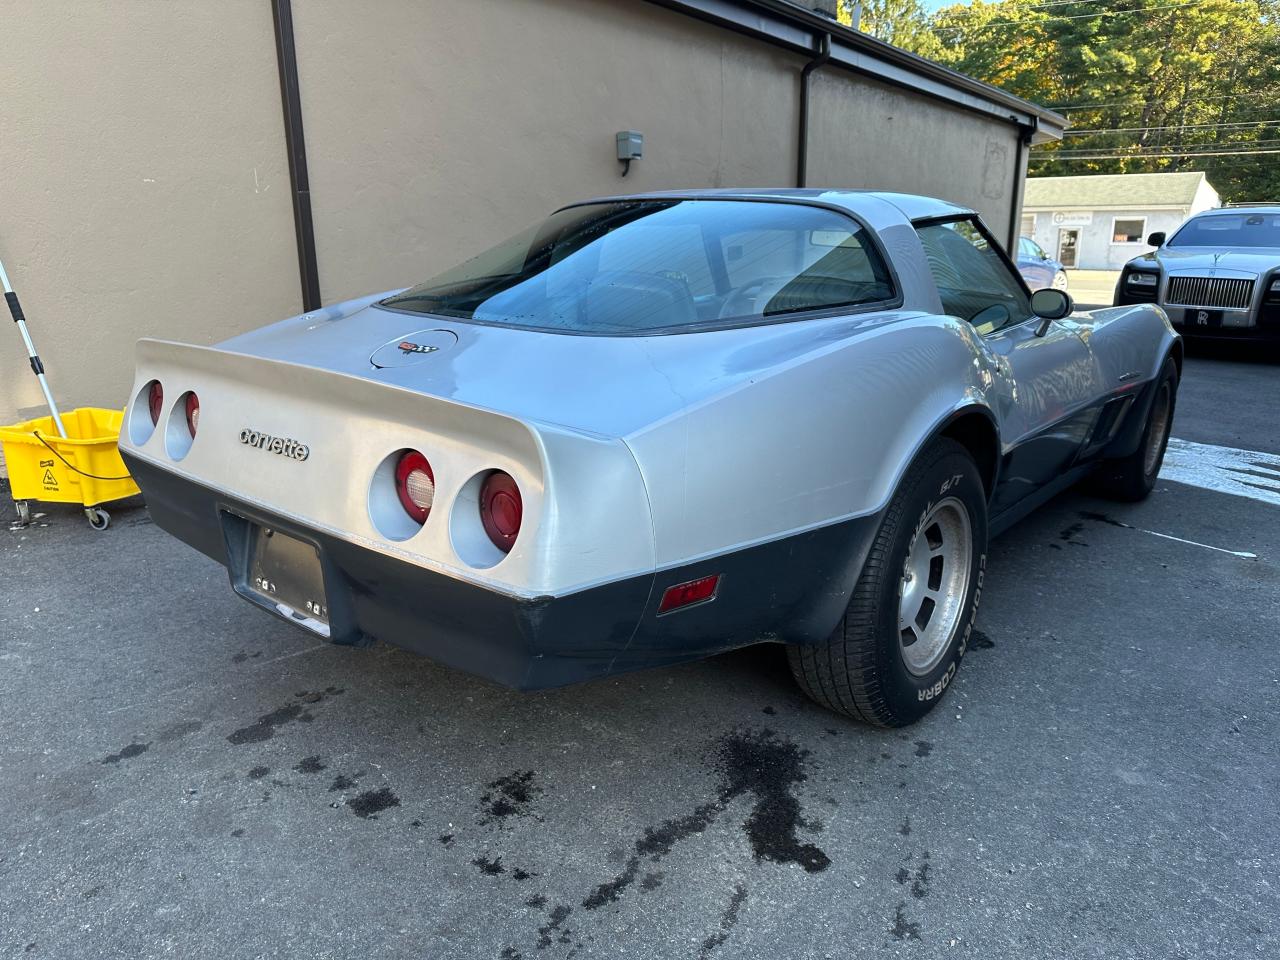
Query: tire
[
  {"x": 1133, "y": 477},
  {"x": 98, "y": 518},
  {"x": 1060, "y": 281},
  {"x": 865, "y": 670}
]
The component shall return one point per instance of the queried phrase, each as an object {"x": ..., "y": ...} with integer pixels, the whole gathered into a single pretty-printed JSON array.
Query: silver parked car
[
  {"x": 653, "y": 428},
  {"x": 1217, "y": 276}
]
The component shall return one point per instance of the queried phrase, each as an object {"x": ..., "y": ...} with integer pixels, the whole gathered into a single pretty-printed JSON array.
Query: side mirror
[
  {"x": 1049, "y": 305},
  {"x": 1156, "y": 239}
]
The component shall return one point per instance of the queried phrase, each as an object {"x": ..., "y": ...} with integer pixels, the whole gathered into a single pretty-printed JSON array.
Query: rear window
[
  {"x": 1230, "y": 230},
  {"x": 653, "y": 266}
]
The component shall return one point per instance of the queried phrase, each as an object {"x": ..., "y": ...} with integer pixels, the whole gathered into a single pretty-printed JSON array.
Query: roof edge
[{"x": 787, "y": 24}]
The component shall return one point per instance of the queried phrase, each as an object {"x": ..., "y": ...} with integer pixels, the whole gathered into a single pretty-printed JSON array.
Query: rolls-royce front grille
[{"x": 1210, "y": 292}]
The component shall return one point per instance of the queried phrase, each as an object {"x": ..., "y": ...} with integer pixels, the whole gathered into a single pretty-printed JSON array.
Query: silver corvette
[
  {"x": 652, "y": 428},
  {"x": 1218, "y": 275}
]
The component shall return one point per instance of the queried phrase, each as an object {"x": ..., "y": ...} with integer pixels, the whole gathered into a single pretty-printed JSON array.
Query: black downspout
[
  {"x": 1020, "y": 165},
  {"x": 802, "y": 159},
  {"x": 296, "y": 146}
]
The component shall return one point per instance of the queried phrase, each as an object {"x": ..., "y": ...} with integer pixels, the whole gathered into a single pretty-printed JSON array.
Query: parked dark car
[
  {"x": 1218, "y": 275},
  {"x": 1038, "y": 268}
]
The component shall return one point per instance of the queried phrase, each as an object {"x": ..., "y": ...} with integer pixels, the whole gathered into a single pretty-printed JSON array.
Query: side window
[
  {"x": 973, "y": 280},
  {"x": 1026, "y": 248}
]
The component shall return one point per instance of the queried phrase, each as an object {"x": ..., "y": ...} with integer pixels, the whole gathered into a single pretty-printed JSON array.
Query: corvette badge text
[{"x": 281, "y": 445}]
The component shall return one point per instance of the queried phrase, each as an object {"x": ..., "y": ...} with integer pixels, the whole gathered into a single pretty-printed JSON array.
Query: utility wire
[
  {"x": 1238, "y": 125},
  {"x": 1140, "y": 103},
  {"x": 1162, "y": 156},
  {"x": 1078, "y": 16}
]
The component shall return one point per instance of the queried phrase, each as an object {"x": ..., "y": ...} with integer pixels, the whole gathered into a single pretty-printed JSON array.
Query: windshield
[
  {"x": 1230, "y": 230},
  {"x": 637, "y": 267}
]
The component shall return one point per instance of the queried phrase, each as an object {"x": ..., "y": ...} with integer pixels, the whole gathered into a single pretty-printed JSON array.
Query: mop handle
[{"x": 37, "y": 367}]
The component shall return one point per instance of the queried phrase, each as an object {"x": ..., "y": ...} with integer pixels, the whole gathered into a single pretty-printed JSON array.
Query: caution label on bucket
[{"x": 49, "y": 481}]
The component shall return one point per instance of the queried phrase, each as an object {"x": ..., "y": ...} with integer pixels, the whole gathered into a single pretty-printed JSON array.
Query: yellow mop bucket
[{"x": 83, "y": 467}]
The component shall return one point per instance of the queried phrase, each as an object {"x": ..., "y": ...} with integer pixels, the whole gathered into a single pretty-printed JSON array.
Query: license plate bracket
[{"x": 287, "y": 573}]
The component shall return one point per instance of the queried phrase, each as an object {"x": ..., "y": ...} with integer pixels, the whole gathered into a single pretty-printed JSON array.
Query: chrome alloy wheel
[
  {"x": 935, "y": 582},
  {"x": 1159, "y": 428}
]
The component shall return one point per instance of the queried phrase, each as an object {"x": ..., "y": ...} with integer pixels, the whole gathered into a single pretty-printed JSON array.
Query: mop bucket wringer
[{"x": 82, "y": 467}]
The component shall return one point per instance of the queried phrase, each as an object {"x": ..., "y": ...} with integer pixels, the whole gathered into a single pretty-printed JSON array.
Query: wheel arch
[{"x": 974, "y": 428}]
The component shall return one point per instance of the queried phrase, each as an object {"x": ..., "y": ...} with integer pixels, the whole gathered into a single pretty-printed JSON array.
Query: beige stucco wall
[
  {"x": 434, "y": 129},
  {"x": 144, "y": 187},
  {"x": 870, "y": 135}
]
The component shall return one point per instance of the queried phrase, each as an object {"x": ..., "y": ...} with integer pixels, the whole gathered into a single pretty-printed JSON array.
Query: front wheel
[
  {"x": 1133, "y": 477},
  {"x": 898, "y": 646},
  {"x": 1060, "y": 280}
]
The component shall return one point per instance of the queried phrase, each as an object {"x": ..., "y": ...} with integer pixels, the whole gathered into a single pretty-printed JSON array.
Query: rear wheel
[
  {"x": 898, "y": 646},
  {"x": 1133, "y": 477},
  {"x": 1060, "y": 280}
]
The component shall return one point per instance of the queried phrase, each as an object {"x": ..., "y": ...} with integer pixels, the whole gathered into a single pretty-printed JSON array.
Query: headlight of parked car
[{"x": 1142, "y": 279}]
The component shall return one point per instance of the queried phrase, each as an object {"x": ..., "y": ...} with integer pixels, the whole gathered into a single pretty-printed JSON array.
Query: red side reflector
[{"x": 687, "y": 594}]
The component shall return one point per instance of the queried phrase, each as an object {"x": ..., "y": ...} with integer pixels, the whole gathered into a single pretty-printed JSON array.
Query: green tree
[
  {"x": 1148, "y": 85},
  {"x": 904, "y": 23}
]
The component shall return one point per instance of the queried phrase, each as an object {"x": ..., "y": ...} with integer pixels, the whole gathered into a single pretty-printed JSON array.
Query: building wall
[
  {"x": 146, "y": 191},
  {"x": 1096, "y": 251},
  {"x": 422, "y": 153},
  {"x": 870, "y": 135}
]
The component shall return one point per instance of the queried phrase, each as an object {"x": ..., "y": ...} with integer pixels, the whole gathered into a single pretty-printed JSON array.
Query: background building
[
  {"x": 154, "y": 186},
  {"x": 1100, "y": 222}
]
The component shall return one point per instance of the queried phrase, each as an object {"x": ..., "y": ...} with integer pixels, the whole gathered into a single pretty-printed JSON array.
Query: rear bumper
[{"x": 792, "y": 590}]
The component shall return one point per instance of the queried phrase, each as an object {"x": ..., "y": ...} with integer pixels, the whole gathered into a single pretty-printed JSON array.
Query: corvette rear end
[{"x": 407, "y": 517}]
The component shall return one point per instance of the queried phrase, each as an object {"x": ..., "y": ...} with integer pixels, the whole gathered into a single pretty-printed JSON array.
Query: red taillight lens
[
  {"x": 415, "y": 484},
  {"x": 687, "y": 594},
  {"x": 155, "y": 401},
  {"x": 501, "y": 509},
  {"x": 193, "y": 413}
]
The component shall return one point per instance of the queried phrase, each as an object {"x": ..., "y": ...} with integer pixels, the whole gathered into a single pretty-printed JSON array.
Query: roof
[
  {"x": 797, "y": 27},
  {"x": 1121, "y": 191},
  {"x": 912, "y": 206}
]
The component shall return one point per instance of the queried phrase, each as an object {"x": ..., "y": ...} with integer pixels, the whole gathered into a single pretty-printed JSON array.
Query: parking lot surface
[{"x": 186, "y": 776}]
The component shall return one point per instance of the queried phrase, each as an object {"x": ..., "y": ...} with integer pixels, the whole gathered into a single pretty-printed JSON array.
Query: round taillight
[
  {"x": 415, "y": 484},
  {"x": 155, "y": 401},
  {"x": 501, "y": 509},
  {"x": 193, "y": 413}
]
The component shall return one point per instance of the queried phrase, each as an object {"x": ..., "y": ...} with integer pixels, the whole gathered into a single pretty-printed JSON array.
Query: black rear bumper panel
[{"x": 791, "y": 590}]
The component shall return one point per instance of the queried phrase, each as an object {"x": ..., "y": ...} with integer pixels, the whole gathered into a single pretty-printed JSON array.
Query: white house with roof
[{"x": 1101, "y": 221}]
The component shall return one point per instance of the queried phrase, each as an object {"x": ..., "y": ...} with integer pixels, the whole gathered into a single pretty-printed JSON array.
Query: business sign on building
[{"x": 1072, "y": 219}]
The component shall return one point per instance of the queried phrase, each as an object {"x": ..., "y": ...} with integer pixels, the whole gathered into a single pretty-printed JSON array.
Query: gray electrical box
[{"x": 630, "y": 145}]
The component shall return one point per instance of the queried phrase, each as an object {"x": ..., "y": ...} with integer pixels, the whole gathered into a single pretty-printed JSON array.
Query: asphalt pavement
[{"x": 183, "y": 775}]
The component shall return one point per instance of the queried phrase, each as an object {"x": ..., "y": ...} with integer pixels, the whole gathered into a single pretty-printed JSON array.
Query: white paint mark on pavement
[
  {"x": 1242, "y": 473},
  {"x": 1195, "y": 543}
]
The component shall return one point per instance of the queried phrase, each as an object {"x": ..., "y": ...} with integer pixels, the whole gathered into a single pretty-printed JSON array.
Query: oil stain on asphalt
[
  {"x": 132, "y": 750},
  {"x": 761, "y": 764},
  {"x": 264, "y": 728},
  {"x": 372, "y": 802},
  {"x": 509, "y": 796}
]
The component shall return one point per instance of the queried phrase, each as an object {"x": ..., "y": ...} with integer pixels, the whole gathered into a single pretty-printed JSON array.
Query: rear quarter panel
[{"x": 816, "y": 439}]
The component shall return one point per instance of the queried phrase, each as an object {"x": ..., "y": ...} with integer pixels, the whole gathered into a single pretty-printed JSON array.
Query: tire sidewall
[
  {"x": 1169, "y": 378},
  {"x": 908, "y": 695}
]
